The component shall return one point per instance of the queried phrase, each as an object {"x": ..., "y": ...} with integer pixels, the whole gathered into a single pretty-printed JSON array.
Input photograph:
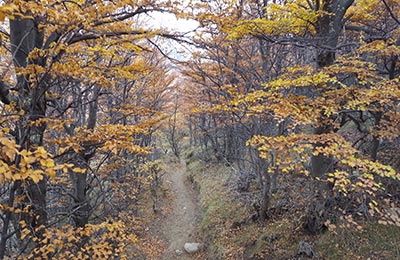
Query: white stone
[{"x": 192, "y": 247}]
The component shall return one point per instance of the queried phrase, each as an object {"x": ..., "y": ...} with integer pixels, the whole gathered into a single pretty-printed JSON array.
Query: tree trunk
[
  {"x": 329, "y": 27},
  {"x": 7, "y": 220},
  {"x": 25, "y": 36},
  {"x": 265, "y": 196},
  {"x": 81, "y": 206}
]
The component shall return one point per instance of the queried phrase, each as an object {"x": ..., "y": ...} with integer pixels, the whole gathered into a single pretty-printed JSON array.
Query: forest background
[{"x": 300, "y": 98}]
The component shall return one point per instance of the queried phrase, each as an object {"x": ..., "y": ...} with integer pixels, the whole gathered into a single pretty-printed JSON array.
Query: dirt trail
[{"x": 180, "y": 225}]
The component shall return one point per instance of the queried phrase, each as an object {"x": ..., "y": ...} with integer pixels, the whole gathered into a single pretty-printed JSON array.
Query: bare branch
[{"x": 391, "y": 11}]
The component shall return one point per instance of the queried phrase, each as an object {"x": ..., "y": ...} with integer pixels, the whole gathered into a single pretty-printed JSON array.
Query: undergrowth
[{"x": 233, "y": 234}]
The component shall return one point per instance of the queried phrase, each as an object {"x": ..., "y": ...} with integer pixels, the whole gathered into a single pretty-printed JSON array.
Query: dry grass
[{"x": 279, "y": 236}]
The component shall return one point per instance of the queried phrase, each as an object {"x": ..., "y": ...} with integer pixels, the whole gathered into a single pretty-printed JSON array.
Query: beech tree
[
  {"x": 81, "y": 93},
  {"x": 273, "y": 88},
  {"x": 225, "y": 71},
  {"x": 327, "y": 93},
  {"x": 336, "y": 84}
]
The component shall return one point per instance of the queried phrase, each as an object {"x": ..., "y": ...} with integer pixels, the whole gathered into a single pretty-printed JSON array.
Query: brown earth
[{"x": 176, "y": 221}]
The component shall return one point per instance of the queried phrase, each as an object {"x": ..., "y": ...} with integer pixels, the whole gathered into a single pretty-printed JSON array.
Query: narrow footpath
[{"x": 181, "y": 222}]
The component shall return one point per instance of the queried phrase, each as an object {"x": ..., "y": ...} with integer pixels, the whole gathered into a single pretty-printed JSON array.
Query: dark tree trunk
[
  {"x": 7, "y": 220},
  {"x": 329, "y": 27},
  {"x": 25, "y": 36},
  {"x": 81, "y": 206},
  {"x": 265, "y": 197}
]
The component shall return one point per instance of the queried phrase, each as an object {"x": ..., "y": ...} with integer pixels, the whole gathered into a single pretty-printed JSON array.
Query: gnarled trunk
[{"x": 329, "y": 27}]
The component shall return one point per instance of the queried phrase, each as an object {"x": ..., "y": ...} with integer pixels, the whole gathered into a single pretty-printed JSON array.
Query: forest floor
[
  {"x": 176, "y": 221},
  {"x": 222, "y": 213},
  {"x": 180, "y": 226},
  {"x": 232, "y": 234}
]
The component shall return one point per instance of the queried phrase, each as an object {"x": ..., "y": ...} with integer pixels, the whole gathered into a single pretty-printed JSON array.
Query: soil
[{"x": 178, "y": 221}]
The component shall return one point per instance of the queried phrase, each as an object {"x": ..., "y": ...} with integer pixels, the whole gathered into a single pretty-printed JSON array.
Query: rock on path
[{"x": 192, "y": 248}]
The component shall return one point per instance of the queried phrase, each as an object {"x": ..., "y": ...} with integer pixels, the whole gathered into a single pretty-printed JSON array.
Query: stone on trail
[
  {"x": 178, "y": 252},
  {"x": 192, "y": 248},
  {"x": 305, "y": 249}
]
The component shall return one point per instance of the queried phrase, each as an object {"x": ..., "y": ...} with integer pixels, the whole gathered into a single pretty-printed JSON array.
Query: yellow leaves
[
  {"x": 16, "y": 210},
  {"x": 48, "y": 163},
  {"x": 104, "y": 240},
  {"x": 133, "y": 71},
  {"x": 98, "y": 63},
  {"x": 41, "y": 152},
  {"x": 36, "y": 176},
  {"x": 8, "y": 151},
  {"x": 132, "y": 238},
  {"x": 341, "y": 181},
  {"x": 363, "y": 10},
  {"x": 301, "y": 77},
  {"x": 381, "y": 50},
  {"x": 8, "y": 147},
  {"x": 7, "y": 11},
  {"x": 356, "y": 174},
  {"x": 286, "y": 153},
  {"x": 62, "y": 150},
  {"x": 78, "y": 170},
  {"x": 32, "y": 165},
  {"x": 25, "y": 232},
  {"x": 109, "y": 137},
  {"x": 302, "y": 95},
  {"x": 151, "y": 170},
  {"x": 5, "y": 172},
  {"x": 82, "y": 62},
  {"x": 282, "y": 19},
  {"x": 28, "y": 166},
  {"x": 306, "y": 98}
]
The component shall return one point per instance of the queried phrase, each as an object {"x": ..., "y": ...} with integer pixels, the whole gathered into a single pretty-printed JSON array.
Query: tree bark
[
  {"x": 329, "y": 27},
  {"x": 25, "y": 36},
  {"x": 81, "y": 206}
]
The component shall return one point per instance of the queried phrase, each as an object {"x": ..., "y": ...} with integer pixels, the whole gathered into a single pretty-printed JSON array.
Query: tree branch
[
  {"x": 391, "y": 12},
  {"x": 93, "y": 36}
]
